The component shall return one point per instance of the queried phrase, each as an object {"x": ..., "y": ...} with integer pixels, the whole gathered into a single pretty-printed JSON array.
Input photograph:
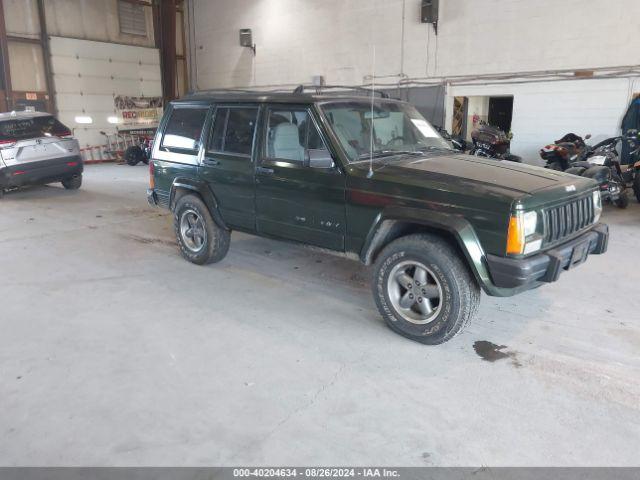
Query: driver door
[{"x": 294, "y": 199}]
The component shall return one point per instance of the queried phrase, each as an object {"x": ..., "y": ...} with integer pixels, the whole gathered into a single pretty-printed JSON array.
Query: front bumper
[{"x": 547, "y": 266}]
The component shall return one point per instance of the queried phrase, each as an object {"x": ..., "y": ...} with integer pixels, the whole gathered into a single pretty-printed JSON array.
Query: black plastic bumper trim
[
  {"x": 547, "y": 266},
  {"x": 152, "y": 197},
  {"x": 45, "y": 171}
]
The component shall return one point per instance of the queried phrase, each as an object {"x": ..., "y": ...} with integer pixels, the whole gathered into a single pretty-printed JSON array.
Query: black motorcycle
[
  {"x": 599, "y": 162},
  {"x": 491, "y": 142},
  {"x": 455, "y": 141},
  {"x": 631, "y": 175},
  {"x": 139, "y": 153}
]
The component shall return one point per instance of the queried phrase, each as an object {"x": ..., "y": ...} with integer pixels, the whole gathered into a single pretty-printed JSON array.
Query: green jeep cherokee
[{"x": 370, "y": 177}]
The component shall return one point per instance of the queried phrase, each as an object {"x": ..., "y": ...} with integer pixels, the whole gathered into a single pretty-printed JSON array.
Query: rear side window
[
  {"x": 184, "y": 129},
  {"x": 25, "y": 128},
  {"x": 233, "y": 130}
]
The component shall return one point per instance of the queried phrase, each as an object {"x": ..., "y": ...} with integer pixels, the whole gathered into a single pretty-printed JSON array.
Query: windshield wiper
[
  {"x": 433, "y": 147},
  {"x": 388, "y": 153}
]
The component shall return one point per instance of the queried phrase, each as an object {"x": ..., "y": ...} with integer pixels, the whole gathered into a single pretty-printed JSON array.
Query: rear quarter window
[{"x": 184, "y": 129}]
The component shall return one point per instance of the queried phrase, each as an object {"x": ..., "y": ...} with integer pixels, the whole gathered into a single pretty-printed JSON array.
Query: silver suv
[{"x": 35, "y": 148}]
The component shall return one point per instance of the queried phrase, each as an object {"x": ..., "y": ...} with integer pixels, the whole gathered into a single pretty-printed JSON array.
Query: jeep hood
[{"x": 510, "y": 179}]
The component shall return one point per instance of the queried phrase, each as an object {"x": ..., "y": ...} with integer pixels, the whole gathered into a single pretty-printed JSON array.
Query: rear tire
[
  {"x": 450, "y": 291},
  {"x": 636, "y": 185},
  {"x": 554, "y": 166},
  {"x": 133, "y": 155},
  {"x": 73, "y": 183},
  {"x": 200, "y": 238},
  {"x": 623, "y": 200},
  {"x": 513, "y": 158}
]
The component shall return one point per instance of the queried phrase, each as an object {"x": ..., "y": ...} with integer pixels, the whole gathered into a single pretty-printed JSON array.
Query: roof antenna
[{"x": 373, "y": 94}]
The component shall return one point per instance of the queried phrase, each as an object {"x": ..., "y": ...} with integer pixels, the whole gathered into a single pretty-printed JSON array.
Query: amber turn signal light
[
  {"x": 515, "y": 235},
  {"x": 152, "y": 171}
]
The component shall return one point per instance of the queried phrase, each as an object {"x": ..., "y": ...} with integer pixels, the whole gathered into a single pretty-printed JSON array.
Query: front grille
[{"x": 565, "y": 220}]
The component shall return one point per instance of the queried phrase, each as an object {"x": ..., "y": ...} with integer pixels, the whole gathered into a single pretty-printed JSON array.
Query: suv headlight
[
  {"x": 524, "y": 235},
  {"x": 597, "y": 206}
]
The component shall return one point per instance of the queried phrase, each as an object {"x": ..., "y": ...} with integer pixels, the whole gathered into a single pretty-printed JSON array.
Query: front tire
[
  {"x": 201, "y": 240},
  {"x": 424, "y": 289},
  {"x": 73, "y": 183}
]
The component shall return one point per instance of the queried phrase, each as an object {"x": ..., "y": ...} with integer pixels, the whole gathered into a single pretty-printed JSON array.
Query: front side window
[
  {"x": 184, "y": 129},
  {"x": 387, "y": 129},
  {"x": 291, "y": 135},
  {"x": 233, "y": 130}
]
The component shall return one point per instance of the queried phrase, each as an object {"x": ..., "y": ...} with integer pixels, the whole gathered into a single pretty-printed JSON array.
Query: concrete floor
[{"x": 116, "y": 351}]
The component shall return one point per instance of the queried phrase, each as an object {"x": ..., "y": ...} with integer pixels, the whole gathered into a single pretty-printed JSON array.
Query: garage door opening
[{"x": 501, "y": 112}]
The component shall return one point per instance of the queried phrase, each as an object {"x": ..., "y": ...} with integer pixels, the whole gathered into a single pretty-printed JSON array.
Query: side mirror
[
  {"x": 587, "y": 136},
  {"x": 320, "y": 159}
]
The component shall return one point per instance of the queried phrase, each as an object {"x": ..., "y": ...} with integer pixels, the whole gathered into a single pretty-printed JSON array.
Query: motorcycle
[
  {"x": 491, "y": 142},
  {"x": 600, "y": 162},
  {"x": 631, "y": 175},
  {"x": 139, "y": 153},
  {"x": 456, "y": 142}
]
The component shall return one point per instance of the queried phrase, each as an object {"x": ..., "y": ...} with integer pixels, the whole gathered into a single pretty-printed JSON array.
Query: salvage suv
[
  {"x": 370, "y": 177},
  {"x": 36, "y": 148}
]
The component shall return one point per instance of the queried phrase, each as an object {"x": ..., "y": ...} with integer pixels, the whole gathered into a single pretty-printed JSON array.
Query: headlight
[
  {"x": 523, "y": 235},
  {"x": 597, "y": 160},
  {"x": 530, "y": 223},
  {"x": 597, "y": 206}
]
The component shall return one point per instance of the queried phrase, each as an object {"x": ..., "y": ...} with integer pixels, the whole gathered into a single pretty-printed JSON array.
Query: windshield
[{"x": 390, "y": 129}]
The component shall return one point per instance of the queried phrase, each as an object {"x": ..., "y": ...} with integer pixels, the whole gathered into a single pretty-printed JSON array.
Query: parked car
[
  {"x": 370, "y": 177},
  {"x": 35, "y": 148}
]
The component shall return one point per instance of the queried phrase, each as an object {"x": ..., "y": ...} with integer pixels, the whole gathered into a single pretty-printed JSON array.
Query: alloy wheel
[
  {"x": 415, "y": 292},
  {"x": 192, "y": 230}
]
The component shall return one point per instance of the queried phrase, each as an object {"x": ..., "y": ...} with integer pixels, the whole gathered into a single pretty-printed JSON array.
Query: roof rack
[
  {"x": 197, "y": 93},
  {"x": 319, "y": 89}
]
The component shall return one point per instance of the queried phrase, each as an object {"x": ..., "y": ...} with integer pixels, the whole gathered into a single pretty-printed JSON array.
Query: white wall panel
[
  {"x": 87, "y": 75},
  {"x": 298, "y": 39},
  {"x": 26, "y": 63},
  {"x": 21, "y": 18}
]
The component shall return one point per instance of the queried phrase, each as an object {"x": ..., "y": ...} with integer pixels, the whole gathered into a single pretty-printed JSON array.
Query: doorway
[
  {"x": 460, "y": 109},
  {"x": 501, "y": 112}
]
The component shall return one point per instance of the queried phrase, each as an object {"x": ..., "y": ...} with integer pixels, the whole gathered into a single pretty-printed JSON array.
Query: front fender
[{"x": 457, "y": 227}]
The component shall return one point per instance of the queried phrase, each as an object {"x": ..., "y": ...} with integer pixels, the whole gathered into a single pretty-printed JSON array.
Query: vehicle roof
[
  {"x": 22, "y": 115},
  {"x": 266, "y": 97}
]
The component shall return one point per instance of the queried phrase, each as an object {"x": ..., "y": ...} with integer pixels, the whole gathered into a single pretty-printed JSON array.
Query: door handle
[
  {"x": 264, "y": 170},
  {"x": 211, "y": 162}
]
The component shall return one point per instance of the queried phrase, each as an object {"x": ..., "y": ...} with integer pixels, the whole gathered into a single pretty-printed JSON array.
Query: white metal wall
[
  {"x": 298, "y": 39},
  {"x": 88, "y": 75},
  {"x": 545, "y": 111}
]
